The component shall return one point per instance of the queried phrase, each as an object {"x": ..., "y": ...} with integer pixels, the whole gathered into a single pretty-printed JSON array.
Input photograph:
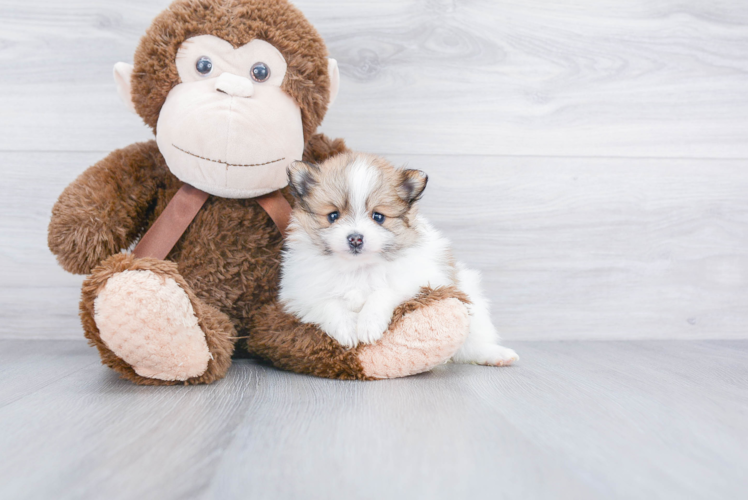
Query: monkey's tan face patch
[
  {"x": 351, "y": 197},
  {"x": 228, "y": 128}
]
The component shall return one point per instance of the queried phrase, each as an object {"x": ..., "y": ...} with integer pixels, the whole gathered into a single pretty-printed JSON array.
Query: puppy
[{"x": 357, "y": 248}]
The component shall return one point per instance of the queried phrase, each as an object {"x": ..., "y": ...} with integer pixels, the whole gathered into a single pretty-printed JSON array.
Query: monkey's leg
[
  {"x": 150, "y": 327},
  {"x": 425, "y": 332}
]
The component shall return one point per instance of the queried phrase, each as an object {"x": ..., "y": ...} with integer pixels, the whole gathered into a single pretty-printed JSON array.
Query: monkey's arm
[
  {"x": 106, "y": 208},
  {"x": 426, "y": 331}
]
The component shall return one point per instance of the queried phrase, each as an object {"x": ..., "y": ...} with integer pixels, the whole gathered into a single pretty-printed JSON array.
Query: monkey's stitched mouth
[{"x": 226, "y": 163}]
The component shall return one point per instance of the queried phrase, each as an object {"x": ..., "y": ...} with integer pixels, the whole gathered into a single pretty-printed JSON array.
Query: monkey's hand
[{"x": 106, "y": 208}]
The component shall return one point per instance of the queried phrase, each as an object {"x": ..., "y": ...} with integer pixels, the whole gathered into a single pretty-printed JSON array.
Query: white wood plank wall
[{"x": 590, "y": 157}]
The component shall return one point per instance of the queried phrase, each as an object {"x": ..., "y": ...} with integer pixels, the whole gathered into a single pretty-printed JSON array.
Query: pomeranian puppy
[{"x": 357, "y": 248}]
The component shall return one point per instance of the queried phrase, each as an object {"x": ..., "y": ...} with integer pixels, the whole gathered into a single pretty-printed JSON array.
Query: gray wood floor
[{"x": 574, "y": 420}]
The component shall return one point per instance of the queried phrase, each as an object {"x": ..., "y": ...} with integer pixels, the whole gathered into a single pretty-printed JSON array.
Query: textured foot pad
[
  {"x": 423, "y": 339},
  {"x": 148, "y": 321}
]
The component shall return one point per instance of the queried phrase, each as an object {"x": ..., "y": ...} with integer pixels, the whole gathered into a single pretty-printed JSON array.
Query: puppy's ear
[
  {"x": 412, "y": 185},
  {"x": 302, "y": 177}
]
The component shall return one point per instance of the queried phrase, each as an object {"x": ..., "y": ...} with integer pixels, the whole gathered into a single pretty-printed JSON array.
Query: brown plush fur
[
  {"x": 93, "y": 220},
  {"x": 301, "y": 347},
  {"x": 427, "y": 297},
  {"x": 320, "y": 147},
  {"x": 228, "y": 260}
]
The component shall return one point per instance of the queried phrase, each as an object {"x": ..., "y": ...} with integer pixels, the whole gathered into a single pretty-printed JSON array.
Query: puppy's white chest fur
[{"x": 355, "y": 299}]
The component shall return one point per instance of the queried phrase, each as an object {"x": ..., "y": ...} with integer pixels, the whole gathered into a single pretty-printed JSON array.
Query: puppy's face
[{"x": 357, "y": 206}]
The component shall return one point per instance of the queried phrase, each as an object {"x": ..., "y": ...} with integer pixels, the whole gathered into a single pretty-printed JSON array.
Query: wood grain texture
[
  {"x": 593, "y": 78},
  {"x": 574, "y": 420},
  {"x": 569, "y": 248}
]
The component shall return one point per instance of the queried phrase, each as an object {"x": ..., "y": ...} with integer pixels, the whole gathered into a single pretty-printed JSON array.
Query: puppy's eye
[
  {"x": 333, "y": 216},
  {"x": 378, "y": 218},
  {"x": 204, "y": 66},
  {"x": 260, "y": 72}
]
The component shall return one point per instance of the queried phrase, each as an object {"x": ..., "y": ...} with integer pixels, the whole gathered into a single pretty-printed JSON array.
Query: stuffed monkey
[{"x": 234, "y": 91}]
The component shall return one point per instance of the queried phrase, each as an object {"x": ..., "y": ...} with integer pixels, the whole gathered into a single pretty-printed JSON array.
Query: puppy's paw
[
  {"x": 343, "y": 329},
  {"x": 372, "y": 324},
  {"x": 498, "y": 355}
]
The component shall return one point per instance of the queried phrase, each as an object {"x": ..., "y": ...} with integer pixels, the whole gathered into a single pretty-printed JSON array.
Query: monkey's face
[
  {"x": 228, "y": 128},
  {"x": 233, "y": 90}
]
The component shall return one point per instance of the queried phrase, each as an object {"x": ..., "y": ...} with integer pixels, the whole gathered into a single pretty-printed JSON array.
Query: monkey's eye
[
  {"x": 260, "y": 72},
  {"x": 333, "y": 216},
  {"x": 378, "y": 218},
  {"x": 204, "y": 66}
]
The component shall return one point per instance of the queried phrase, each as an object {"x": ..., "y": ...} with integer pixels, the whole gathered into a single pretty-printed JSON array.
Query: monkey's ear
[
  {"x": 412, "y": 185},
  {"x": 334, "y": 73},
  {"x": 122, "y": 75},
  {"x": 302, "y": 177}
]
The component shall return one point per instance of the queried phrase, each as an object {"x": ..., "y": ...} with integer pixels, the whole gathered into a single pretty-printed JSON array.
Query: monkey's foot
[
  {"x": 147, "y": 320},
  {"x": 426, "y": 332}
]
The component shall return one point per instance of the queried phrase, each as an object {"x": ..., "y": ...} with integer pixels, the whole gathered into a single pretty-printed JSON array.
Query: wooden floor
[{"x": 574, "y": 420}]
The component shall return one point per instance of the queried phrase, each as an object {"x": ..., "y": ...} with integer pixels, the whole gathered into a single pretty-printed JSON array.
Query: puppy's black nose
[{"x": 356, "y": 241}]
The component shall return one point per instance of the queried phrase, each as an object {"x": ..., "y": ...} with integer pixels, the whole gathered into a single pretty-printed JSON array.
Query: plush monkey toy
[{"x": 234, "y": 91}]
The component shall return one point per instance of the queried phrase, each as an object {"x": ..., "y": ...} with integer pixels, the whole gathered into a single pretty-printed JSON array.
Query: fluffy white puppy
[{"x": 357, "y": 249}]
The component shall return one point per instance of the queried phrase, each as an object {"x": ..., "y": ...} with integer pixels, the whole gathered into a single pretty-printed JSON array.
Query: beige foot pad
[
  {"x": 423, "y": 339},
  {"x": 148, "y": 321}
]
